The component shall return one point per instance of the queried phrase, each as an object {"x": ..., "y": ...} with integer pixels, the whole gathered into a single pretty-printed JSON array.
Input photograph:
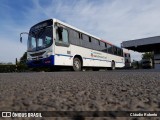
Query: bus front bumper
[{"x": 45, "y": 62}]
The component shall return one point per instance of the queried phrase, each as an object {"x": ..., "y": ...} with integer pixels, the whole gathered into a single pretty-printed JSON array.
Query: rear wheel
[{"x": 77, "y": 64}]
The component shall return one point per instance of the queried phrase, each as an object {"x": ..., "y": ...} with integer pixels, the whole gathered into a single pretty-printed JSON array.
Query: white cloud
[
  {"x": 111, "y": 20},
  {"x": 114, "y": 21},
  {"x": 11, "y": 47}
]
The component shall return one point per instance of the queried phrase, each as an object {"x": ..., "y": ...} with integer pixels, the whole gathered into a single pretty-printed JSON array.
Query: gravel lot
[{"x": 120, "y": 90}]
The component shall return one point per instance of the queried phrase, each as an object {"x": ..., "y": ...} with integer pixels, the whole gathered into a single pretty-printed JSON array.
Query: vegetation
[
  {"x": 19, "y": 66},
  {"x": 135, "y": 64},
  {"x": 148, "y": 55}
]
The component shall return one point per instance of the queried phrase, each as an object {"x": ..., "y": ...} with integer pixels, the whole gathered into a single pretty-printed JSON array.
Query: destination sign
[{"x": 42, "y": 25}]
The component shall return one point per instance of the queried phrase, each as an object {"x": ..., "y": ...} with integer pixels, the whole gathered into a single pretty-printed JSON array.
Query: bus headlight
[
  {"x": 48, "y": 54},
  {"x": 28, "y": 58}
]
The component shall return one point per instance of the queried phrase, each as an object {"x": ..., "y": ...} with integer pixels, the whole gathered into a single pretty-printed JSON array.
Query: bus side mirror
[{"x": 21, "y": 36}]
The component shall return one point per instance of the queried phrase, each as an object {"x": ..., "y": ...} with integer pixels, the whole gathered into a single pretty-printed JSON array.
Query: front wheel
[{"x": 77, "y": 65}]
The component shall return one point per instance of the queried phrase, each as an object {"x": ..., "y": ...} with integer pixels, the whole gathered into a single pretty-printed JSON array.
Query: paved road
[{"x": 122, "y": 90}]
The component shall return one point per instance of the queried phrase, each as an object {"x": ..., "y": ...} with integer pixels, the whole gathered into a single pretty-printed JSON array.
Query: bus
[{"x": 53, "y": 43}]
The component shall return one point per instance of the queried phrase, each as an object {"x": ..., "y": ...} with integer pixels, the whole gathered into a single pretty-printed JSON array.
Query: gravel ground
[{"x": 121, "y": 90}]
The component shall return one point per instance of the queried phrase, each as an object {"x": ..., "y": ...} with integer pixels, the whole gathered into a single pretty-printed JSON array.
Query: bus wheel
[{"x": 77, "y": 65}]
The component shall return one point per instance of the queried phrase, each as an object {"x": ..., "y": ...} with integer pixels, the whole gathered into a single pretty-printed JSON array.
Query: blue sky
[{"x": 111, "y": 20}]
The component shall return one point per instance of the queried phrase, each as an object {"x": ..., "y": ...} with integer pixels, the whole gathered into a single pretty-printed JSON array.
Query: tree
[
  {"x": 147, "y": 55},
  {"x": 21, "y": 65}
]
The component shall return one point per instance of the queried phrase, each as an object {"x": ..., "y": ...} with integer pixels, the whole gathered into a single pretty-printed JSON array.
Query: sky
[{"x": 112, "y": 20}]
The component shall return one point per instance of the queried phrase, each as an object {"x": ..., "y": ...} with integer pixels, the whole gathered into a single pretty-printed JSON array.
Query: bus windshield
[{"x": 40, "y": 39}]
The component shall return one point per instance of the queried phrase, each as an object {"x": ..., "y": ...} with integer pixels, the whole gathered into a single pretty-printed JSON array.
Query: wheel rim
[{"x": 77, "y": 64}]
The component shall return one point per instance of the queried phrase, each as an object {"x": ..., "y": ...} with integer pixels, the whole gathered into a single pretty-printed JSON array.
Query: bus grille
[{"x": 37, "y": 54}]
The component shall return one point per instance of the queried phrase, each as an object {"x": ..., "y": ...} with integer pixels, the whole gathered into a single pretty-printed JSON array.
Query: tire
[{"x": 77, "y": 64}]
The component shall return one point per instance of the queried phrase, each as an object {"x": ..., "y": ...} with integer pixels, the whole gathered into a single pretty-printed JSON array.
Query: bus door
[{"x": 62, "y": 47}]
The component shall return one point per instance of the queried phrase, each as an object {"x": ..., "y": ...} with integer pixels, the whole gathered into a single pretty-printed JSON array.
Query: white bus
[{"x": 53, "y": 43}]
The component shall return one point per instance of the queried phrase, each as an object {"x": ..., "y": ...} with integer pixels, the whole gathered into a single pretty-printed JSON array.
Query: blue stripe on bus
[
  {"x": 96, "y": 59},
  {"x": 100, "y": 60},
  {"x": 63, "y": 55}
]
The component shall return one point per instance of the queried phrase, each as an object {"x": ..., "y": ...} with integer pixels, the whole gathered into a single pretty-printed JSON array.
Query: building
[
  {"x": 151, "y": 44},
  {"x": 127, "y": 57}
]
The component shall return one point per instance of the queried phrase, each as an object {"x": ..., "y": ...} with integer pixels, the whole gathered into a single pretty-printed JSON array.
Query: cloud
[
  {"x": 114, "y": 21},
  {"x": 11, "y": 50},
  {"x": 111, "y": 20}
]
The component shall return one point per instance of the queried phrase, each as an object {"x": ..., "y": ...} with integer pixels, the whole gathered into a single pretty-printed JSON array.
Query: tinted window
[
  {"x": 109, "y": 47},
  {"x": 115, "y": 50},
  {"x": 65, "y": 36},
  {"x": 95, "y": 41},
  {"x": 62, "y": 36},
  {"x": 102, "y": 44},
  {"x": 75, "y": 34},
  {"x": 85, "y": 37},
  {"x": 122, "y": 52},
  {"x": 98, "y": 42},
  {"x": 95, "y": 44},
  {"x": 119, "y": 52}
]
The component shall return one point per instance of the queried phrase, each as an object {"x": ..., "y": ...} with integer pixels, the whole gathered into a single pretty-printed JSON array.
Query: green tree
[
  {"x": 21, "y": 65},
  {"x": 147, "y": 55}
]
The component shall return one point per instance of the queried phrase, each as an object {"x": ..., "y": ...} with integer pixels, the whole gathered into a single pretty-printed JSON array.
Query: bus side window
[
  {"x": 115, "y": 50},
  {"x": 62, "y": 35},
  {"x": 65, "y": 36},
  {"x": 110, "y": 48}
]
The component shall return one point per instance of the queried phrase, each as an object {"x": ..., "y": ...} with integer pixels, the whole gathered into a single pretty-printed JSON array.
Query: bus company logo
[{"x": 6, "y": 114}]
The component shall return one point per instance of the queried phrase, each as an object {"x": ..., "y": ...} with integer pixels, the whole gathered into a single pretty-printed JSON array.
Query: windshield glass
[{"x": 40, "y": 39}]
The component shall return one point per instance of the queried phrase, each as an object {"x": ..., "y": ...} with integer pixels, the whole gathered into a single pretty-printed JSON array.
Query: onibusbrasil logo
[{"x": 21, "y": 114}]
